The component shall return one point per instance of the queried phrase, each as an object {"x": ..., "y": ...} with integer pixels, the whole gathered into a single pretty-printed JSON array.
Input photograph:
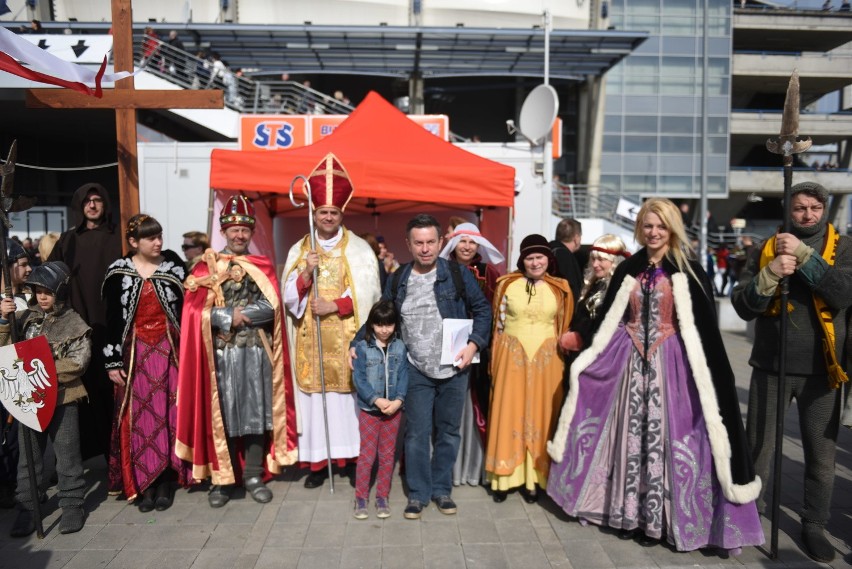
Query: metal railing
[
  {"x": 242, "y": 94},
  {"x": 584, "y": 202}
]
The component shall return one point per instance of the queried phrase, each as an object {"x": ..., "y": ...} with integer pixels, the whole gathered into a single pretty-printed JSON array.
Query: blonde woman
[
  {"x": 650, "y": 440},
  {"x": 46, "y": 244}
]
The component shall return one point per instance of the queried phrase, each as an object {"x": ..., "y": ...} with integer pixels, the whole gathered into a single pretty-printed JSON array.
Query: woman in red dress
[{"x": 143, "y": 292}]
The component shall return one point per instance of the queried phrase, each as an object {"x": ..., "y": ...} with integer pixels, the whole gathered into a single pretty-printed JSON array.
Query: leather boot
[
  {"x": 24, "y": 524},
  {"x": 816, "y": 544},
  {"x": 146, "y": 502},
  {"x": 163, "y": 497}
]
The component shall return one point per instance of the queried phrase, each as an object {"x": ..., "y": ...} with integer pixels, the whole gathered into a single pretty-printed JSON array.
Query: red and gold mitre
[
  {"x": 238, "y": 210},
  {"x": 330, "y": 184}
]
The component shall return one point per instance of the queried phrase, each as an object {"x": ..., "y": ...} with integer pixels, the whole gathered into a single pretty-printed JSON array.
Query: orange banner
[
  {"x": 323, "y": 125},
  {"x": 273, "y": 132},
  {"x": 282, "y": 132}
]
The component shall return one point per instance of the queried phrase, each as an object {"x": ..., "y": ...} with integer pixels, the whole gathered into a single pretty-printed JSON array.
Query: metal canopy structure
[{"x": 400, "y": 51}]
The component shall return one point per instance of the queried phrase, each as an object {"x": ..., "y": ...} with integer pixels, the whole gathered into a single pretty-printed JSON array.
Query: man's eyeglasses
[
  {"x": 93, "y": 200},
  {"x": 186, "y": 247}
]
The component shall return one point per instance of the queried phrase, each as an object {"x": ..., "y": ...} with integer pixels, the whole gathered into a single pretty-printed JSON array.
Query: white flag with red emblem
[
  {"x": 28, "y": 382},
  {"x": 24, "y": 59}
]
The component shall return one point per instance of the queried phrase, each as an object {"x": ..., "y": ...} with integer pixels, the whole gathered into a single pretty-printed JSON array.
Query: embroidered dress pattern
[{"x": 638, "y": 453}]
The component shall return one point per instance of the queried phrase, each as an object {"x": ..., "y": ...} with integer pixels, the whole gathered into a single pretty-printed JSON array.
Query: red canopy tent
[
  {"x": 390, "y": 158},
  {"x": 396, "y": 166}
]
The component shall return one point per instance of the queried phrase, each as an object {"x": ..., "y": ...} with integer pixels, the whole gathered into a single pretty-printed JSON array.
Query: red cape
[{"x": 201, "y": 439}]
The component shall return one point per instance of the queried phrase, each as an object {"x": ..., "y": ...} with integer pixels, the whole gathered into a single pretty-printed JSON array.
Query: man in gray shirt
[{"x": 425, "y": 292}]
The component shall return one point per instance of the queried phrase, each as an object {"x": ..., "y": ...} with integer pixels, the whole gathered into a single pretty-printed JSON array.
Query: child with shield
[{"x": 68, "y": 336}]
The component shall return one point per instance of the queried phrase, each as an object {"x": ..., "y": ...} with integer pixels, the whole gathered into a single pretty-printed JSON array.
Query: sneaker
[
  {"x": 413, "y": 510},
  {"x": 816, "y": 544},
  {"x": 361, "y": 509},
  {"x": 445, "y": 505},
  {"x": 382, "y": 508}
]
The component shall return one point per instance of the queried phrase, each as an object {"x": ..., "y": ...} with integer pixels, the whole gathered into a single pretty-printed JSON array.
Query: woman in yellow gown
[{"x": 532, "y": 309}]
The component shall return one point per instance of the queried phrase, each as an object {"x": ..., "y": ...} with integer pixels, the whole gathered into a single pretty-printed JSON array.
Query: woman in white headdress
[{"x": 467, "y": 246}]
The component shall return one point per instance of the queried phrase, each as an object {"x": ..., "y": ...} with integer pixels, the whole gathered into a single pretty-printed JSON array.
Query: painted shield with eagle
[{"x": 28, "y": 382}]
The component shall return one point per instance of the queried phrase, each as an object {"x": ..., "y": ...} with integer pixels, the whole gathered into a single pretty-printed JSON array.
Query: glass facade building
[{"x": 654, "y": 132}]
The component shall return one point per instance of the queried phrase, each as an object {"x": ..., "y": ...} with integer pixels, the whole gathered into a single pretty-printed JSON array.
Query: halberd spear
[
  {"x": 787, "y": 144},
  {"x": 8, "y": 204}
]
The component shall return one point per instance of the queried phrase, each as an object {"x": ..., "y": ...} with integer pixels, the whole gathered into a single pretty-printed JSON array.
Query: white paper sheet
[{"x": 455, "y": 337}]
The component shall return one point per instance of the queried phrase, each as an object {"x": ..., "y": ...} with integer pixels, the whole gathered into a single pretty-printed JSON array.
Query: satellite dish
[{"x": 538, "y": 112}]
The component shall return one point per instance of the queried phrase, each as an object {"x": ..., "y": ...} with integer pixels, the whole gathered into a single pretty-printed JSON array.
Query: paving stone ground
[{"x": 306, "y": 529}]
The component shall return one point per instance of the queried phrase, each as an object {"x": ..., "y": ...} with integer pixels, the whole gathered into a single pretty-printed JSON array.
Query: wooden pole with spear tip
[
  {"x": 787, "y": 144},
  {"x": 9, "y": 204}
]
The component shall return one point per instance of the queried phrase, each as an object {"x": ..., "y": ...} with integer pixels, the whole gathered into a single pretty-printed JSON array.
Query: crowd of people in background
[
  {"x": 591, "y": 374},
  {"x": 824, "y": 165},
  {"x": 207, "y": 70},
  {"x": 204, "y": 68}
]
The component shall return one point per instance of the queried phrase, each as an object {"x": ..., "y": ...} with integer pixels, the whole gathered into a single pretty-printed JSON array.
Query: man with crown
[
  {"x": 348, "y": 284},
  {"x": 235, "y": 403}
]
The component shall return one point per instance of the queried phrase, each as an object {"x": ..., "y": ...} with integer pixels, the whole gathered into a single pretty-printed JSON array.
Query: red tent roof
[{"x": 389, "y": 158}]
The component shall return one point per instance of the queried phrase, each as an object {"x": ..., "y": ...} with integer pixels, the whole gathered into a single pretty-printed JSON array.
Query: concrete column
[{"x": 416, "y": 104}]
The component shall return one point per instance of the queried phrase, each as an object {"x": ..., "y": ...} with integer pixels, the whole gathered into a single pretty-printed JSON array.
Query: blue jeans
[{"x": 432, "y": 403}]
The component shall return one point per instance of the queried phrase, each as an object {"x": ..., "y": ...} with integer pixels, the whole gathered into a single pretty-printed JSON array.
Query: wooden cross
[{"x": 125, "y": 100}]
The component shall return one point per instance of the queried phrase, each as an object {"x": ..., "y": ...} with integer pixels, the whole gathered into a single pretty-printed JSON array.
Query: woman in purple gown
[{"x": 650, "y": 440}]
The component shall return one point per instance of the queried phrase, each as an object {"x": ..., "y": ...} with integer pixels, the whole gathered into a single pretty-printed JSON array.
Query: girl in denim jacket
[{"x": 381, "y": 380}]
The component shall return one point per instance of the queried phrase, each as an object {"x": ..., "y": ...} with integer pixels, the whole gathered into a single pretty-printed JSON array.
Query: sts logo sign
[{"x": 273, "y": 134}]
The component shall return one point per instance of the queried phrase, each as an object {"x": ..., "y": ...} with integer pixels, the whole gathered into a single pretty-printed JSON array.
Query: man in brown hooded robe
[{"x": 88, "y": 248}]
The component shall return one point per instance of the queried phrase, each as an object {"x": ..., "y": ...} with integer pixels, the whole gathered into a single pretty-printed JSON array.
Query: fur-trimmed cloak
[{"x": 711, "y": 370}]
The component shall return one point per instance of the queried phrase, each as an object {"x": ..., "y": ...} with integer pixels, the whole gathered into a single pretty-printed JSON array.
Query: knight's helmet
[
  {"x": 53, "y": 276},
  {"x": 14, "y": 251}
]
